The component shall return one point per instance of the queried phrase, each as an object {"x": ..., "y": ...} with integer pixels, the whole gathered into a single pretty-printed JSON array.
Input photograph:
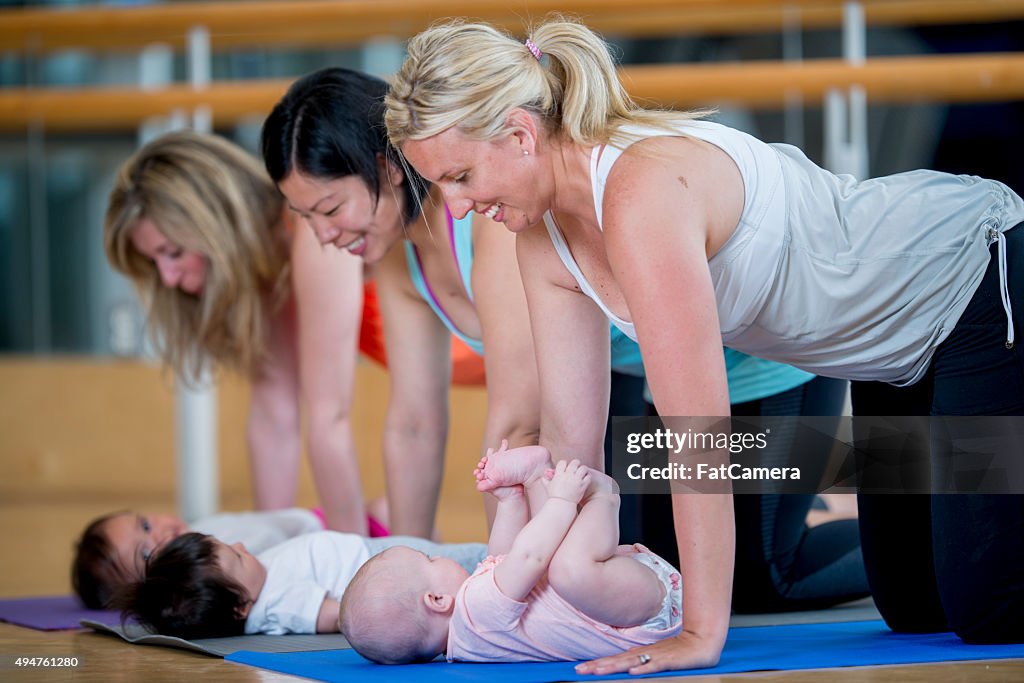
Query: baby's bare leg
[{"x": 586, "y": 571}]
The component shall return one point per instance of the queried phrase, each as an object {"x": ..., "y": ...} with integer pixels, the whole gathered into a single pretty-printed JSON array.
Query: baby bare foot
[
  {"x": 508, "y": 467},
  {"x": 481, "y": 466},
  {"x": 478, "y": 471}
]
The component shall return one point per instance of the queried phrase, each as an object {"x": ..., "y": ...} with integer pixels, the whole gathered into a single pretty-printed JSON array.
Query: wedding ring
[{"x": 644, "y": 658}]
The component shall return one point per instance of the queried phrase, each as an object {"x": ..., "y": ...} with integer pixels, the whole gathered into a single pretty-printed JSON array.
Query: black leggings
[
  {"x": 781, "y": 564},
  {"x": 954, "y": 562},
  {"x": 626, "y": 400}
]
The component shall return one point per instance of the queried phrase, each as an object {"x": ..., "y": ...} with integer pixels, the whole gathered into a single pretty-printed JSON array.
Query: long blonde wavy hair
[
  {"x": 207, "y": 195},
  {"x": 471, "y": 75}
]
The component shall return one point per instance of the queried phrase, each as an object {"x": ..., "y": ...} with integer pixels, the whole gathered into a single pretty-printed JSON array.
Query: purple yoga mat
[{"x": 52, "y": 613}]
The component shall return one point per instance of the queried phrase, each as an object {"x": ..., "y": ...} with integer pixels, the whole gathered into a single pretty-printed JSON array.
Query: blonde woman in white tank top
[{"x": 687, "y": 234}]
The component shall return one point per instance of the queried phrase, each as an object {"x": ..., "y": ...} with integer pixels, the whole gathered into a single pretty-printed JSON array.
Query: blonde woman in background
[
  {"x": 228, "y": 281},
  {"x": 687, "y": 234}
]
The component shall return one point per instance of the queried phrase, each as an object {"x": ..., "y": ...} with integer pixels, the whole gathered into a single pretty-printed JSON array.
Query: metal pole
[
  {"x": 855, "y": 52},
  {"x": 40, "y": 314},
  {"x": 846, "y": 112},
  {"x": 199, "y": 74},
  {"x": 196, "y": 406},
  {"x": 793, "y": 51},
  {"x": 39, "y": 241}
]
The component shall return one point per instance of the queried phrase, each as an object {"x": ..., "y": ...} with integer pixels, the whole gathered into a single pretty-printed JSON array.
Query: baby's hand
[{"x": 569, "y": 481}]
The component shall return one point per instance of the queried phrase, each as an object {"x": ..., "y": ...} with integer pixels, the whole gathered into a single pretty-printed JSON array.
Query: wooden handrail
[
  {"x": 262, "y": 23},
  {"x": 886, "y": 80},
  {"x": 120, "y": 108},
  {"x": 944, "y": 78}
]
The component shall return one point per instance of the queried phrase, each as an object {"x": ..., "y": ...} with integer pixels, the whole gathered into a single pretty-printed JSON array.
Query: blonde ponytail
[{"x": 471, "y": 76}]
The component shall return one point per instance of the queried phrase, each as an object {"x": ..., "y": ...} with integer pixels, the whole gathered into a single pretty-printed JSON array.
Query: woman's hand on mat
[{"x": 685, "y": 651}]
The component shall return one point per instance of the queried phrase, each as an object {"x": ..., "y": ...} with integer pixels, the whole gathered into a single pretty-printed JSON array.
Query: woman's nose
[
  {"x": 170, "y": 274},
  {"x": 459, "y": 207}
]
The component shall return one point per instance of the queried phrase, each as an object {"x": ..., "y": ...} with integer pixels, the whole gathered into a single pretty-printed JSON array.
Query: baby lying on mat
[
  {"x": 113, "y": 549},
  {"x": 196, "y": 586},
  {"x": 556, "y": 587}
]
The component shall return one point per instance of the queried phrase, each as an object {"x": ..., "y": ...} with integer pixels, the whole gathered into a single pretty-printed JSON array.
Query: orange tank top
[{"x": 467, "y": 367}]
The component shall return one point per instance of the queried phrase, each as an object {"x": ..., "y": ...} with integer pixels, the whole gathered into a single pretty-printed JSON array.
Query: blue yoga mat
[{"x": 758, "y": 648}]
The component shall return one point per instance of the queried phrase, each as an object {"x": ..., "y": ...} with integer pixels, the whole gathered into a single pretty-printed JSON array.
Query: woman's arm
[
  {"x": 273, "y": 426},
  {"x": 660, "y": 218},
  {"x": 328, "y": 287},
  {"x": 513, "y": 392},
  {"x": 416, "y": 424},
  {"x": 513, "y": 410},
  {"x": 571, "y": 340}
]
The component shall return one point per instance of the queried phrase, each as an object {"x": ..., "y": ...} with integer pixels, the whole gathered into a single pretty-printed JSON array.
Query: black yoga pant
[
  {"x": 780, "y": 563},
  {"x": 956, "y": 561},
  {"x": 626, "y": 400}
]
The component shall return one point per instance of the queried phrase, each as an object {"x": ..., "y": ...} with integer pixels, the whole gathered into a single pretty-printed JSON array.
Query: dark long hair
[
  {"x": 330, "y": 124},
  {"x": 184, "y": 593}
]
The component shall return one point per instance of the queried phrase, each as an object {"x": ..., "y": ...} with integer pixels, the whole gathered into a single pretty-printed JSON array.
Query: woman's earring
[{"x": 526, "y": 152}]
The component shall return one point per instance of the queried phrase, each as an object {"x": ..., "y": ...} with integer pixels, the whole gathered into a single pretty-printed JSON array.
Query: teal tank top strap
[
  {"x": 461, "y": 237},
  {"x": 460, "y": 233},
  {"x": 625, "y": 354}
]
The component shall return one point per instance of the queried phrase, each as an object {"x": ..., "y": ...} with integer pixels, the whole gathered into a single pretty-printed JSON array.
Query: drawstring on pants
[{"x": 1004, "y": 288}]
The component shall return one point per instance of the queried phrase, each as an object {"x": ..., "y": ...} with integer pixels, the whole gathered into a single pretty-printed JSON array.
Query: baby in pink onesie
[{"x": 556, "y": 586}]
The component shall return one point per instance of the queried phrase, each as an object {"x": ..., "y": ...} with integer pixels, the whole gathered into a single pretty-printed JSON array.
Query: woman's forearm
[{"x": 706, "y": 537}]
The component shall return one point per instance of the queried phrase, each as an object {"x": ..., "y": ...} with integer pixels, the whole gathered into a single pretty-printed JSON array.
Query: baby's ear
[
  {"x": 441, "y": 604},
  {"x": 243, "y": 611}
]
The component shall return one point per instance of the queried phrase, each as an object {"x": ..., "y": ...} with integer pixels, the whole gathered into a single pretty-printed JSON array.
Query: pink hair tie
[{"x": 534, "y": 50}]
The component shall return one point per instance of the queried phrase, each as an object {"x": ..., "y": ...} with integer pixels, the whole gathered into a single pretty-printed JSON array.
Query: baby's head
[
  {"x": 113, "y": 551},
  {"x": 397, "y": 607},
  {"x": 195, "y": 587}
]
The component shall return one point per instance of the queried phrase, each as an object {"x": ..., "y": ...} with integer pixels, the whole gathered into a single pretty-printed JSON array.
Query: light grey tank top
[{"x": 859, "y": 280}]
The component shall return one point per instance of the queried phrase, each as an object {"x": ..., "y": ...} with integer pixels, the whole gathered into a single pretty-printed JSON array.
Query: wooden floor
[{"x": 70, "y": 453}]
